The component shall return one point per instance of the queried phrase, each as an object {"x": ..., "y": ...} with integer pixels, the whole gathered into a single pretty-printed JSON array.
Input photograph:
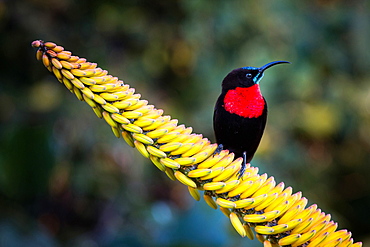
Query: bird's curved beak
[
  {"x": 266, "y": 66},
  {"x": 259, "y": 76}
]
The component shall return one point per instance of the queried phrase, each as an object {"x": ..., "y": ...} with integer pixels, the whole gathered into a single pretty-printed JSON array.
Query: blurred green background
[{"x": 65, "y": 180}]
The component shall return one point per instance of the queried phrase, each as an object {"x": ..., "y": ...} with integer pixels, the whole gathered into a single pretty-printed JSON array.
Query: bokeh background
[{"x": 65, "y": 180}]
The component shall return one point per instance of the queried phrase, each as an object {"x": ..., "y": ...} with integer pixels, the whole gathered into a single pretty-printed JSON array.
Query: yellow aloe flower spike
[{"x": 280, "y": 218}]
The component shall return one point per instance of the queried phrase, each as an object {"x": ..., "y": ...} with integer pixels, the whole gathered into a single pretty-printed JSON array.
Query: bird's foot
[
  {"x": 219, "y": 148},
  {"x": 244, "y": 165}
]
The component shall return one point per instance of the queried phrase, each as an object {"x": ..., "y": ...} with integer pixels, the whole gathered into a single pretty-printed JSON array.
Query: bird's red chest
[{"x": 245, "y": 102}]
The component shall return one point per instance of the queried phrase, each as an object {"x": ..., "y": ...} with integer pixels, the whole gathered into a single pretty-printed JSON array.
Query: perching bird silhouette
[{"x": 241, "y": 112}]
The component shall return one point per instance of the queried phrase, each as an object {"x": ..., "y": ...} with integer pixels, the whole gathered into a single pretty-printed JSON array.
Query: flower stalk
[{"x": 278, "y": 216}]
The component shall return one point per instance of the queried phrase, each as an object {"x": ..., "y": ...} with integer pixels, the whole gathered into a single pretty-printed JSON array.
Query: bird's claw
[
  {"x": 219, "y": 148},
  {"x": 244, "y": 165}
]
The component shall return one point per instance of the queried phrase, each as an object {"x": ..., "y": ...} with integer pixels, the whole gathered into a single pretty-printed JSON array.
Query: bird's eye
[{"x": 249, "y": 75}]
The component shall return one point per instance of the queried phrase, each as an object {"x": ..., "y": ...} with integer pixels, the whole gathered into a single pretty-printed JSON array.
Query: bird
[{"x": 240, "y": 112}]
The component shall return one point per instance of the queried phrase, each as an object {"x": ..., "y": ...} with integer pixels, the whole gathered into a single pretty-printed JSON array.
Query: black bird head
[{"x": 246, "y": 76}]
